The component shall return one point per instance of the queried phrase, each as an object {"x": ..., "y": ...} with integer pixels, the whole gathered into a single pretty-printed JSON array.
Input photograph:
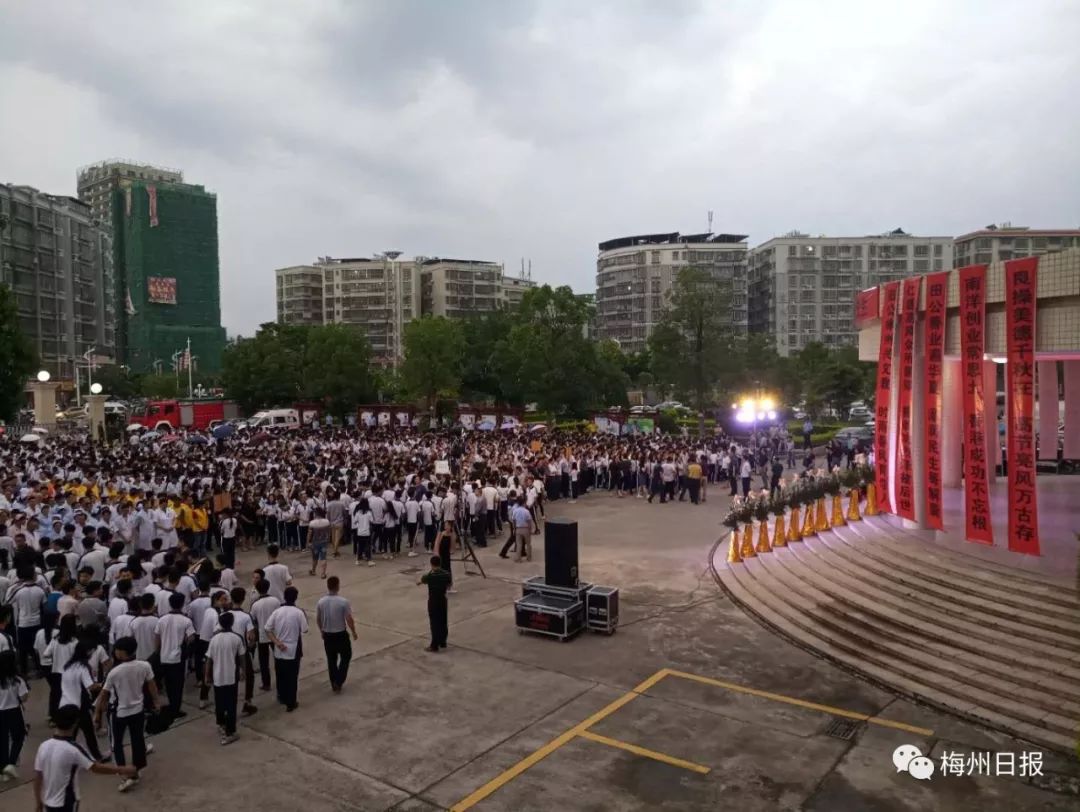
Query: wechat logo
[{"x": 908, "y": 758}]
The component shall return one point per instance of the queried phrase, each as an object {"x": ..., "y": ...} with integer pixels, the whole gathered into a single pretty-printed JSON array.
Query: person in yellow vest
[
  {"x": 693, "y": 480},
  {"x": 200, "y": 524},
  {"x": 185, "y": 520}
]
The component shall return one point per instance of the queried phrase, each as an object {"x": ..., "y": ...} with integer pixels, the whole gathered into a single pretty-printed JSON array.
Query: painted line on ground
[
  {"x": 802, "y": 703},
  {"x": 644, "y": 751},
  {"x": 539, "y": 755}
]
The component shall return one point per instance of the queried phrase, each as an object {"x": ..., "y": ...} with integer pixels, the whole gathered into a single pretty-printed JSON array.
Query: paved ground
[{"x": 502, "y": 721}]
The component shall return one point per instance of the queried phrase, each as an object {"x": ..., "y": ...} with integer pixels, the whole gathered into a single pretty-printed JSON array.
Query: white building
[
  {"x": 802, "y": 288},
  {"x": 635, "y": 274}
]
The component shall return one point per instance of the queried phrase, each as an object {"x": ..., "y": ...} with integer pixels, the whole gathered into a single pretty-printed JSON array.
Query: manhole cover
[{"x": 843, "y": 729}]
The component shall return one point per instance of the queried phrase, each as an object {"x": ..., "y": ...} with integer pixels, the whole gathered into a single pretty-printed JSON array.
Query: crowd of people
[{"x": 118, "y": 565}]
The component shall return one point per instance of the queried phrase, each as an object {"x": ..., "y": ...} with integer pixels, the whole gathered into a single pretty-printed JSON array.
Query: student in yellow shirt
[
  {"x": 185, "y": 520},
  {"x": 200, "y": 523},
  {"x": 693, "y": 480}
]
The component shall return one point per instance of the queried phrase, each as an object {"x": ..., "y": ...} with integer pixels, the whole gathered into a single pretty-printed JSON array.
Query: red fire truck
[{"x": 166, "y": 415}]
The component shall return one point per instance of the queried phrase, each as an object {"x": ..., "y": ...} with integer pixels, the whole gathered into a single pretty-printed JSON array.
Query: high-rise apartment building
[
  {"x": 379, "y": 295},
  {"x": 635, "y": 274},
  {"x": 1004, "y": 242},
  {"x": 59, "y": 264},
  {"x": 802, "y": 288},
  {"x": 97, "y": 183},
  {"x": 458, "y": 288}
]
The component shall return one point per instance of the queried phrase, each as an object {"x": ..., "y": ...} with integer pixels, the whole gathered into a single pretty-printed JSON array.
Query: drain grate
[{"x": 843, "y": 729}]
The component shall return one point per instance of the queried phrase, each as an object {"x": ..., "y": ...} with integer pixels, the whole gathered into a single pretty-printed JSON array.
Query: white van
[{"x": 275, "y": 420}]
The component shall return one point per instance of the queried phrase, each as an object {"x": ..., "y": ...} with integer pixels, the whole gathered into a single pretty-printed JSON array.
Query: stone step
[
  {"x": 969, "y": 602},
  {"x": 926, "y": 687},
  {"x": 926, "y": 604},
  {"x": 950, "y": 629},
  {"x": 891, "y": 529},
  {"x": 907, "y": 551},
  {"x": 764, "y": 599},
  {"x": 811, "y": 595}
]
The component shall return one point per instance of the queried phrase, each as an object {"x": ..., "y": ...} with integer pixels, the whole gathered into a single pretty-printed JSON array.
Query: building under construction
[{"x": 168, "y": 281}]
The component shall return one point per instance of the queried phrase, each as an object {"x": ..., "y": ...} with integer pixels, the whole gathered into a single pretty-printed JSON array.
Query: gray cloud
[{"x": 500, "y": 130}]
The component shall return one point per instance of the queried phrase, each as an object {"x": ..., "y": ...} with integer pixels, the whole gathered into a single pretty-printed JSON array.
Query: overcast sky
[{"x": 504, "y": 129}]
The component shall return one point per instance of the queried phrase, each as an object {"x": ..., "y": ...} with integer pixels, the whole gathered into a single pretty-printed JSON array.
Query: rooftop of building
[
  {"x": 449, "y": 261},
  {"x": 124, "y": 163},
  {"x": 671, "y": 238},
  {"x": 62, "y": 200},
  {"x": 895, "y": 234},
  {"x": 1009, "y": 230}
]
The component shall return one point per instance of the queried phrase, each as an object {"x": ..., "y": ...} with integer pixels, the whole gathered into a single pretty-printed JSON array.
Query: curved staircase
[{"x": 975, "y": 639}]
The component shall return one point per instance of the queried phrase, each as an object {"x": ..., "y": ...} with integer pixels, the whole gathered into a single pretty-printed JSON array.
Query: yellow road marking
[
  {"x": 642, "y": 751},
  {"x": 802, "y": 703},
  {"x": 539, "y": 755}
]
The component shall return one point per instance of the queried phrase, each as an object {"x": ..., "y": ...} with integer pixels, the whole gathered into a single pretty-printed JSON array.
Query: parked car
[
  {"x": 864, "y": 433},
  {"x": 859, "y": 411}
]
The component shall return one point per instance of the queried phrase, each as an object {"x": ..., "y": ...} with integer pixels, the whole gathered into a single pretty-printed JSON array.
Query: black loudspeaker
[{"x": 560, "y": 553}]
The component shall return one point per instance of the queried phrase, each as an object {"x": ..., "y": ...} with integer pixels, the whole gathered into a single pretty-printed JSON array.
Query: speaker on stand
[{"x": 561, "y": 553}]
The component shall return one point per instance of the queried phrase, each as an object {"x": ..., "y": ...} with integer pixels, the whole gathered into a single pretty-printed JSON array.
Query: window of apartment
[
  {"x": 937, "y": 264},
  {"x": 922, "y": 265},
  {"x": 937, "y": 250},
  {"x": 922, "y": 250},
  {"x": 1039, "y": 243},
  {"x": 982, "y": 244},
  {"x": 792, "y": 250},
  {"x": 675, "y": 255},
  {"x": 655, "y": 285}
]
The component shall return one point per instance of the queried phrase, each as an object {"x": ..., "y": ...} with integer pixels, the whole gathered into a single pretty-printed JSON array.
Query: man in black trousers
[{"x": 438, "y": 581}]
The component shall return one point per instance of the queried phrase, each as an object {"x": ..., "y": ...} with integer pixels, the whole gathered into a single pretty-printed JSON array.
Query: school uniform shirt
[
  {"x": 59, "y": 761},
  {"x": 59, "y": 653},
  {"x": 13, "y": 693},
  {"x": 278, "y": 576},
  {"x": 196, "y": 609},
  {"x": 378, "y": 510},
  {"x": 125, "y": 684},
  {"x": 228, "y": 579},
  {"x": 361, "y": 523},
  {"x": 287, "y": 624},
  {"x": 224, "y": 648},
  {"x": 117, "y": 607},
  {"x": 228, "y": 528},
  {"x": 172, "y": 630},
  {"x": 427, "y": 512},
  {"x": 121, "y": 627},
  {"x": 261, "y": 609},
  {"x": 142, "y": 629},
  {"x": 26, "y": 601},
  {"x": 161, "y": 599},
  {"x": 242, "y": 623},
  {"x": 187, "y": 587},
  {"x": 209, "y": 625},
  {"x": 73, "y": 681}
]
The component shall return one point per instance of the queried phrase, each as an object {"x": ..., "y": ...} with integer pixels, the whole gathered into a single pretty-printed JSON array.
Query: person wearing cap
[{"x": 122, "y": 695}]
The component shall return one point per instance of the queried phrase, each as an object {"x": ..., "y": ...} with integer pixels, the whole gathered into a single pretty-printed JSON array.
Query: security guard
[{"x": 438, "y": 581}]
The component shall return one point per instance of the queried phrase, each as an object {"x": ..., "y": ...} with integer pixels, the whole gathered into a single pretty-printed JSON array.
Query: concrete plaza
[{"x": 691, "y": 705}]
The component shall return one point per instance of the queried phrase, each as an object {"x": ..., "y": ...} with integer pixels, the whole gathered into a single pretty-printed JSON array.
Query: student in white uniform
[
  {"x": 58, "y": 762},
  {"x": 78, "y": 687},
  {"x": 174, "y": 633},
  {"x": 13, "y": 693},
  {"x": 225, "y": 660},
  {"x": 261, "y": 608},
  {"x": 284, "y": 627},
  {"x": 276, "y": 573},
  {"x": 122, "y": 694}
]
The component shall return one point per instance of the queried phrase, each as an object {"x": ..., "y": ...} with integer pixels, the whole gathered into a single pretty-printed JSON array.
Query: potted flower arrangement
[
  {"x": 732, "y": 520},
  {"x": 832, "y": 487},
  {"x": 810, "y": 489},
  {"x": 761, "y": 514},
  {"x": 778, "y": 507},
  {"x": 795, "y": 501}
]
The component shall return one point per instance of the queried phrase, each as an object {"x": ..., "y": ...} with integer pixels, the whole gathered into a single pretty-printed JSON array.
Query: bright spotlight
[
  {"x": 735, "y": 406},
  {"x": 761, "y": 415},
  {"x": 44, "y": 376},
  {"x": 744, "y": 417},
  {"x": 95, "y": 389},
  {"x": 768, "y": 404},
  {"x": 772, "y": 414}
]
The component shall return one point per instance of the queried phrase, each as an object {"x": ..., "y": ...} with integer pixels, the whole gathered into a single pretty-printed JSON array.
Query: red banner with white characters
[
  {"x": 977, "y": 520},
  {"x": 890, "y": 295},
  {"x": 1020, "y": 275},
  {"x": 151, "y": 194},
  {"x": 937, "y": 289},
  {"x": 867, "y": 307},
  {"x": 905, "y": 480}
]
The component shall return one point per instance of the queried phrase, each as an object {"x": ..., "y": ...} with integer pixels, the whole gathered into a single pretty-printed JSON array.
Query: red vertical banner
[
  {"x": 977, "y": 521},
  {"x": 884, "y": 394},
  {"x": 151, "y": 195},
  {"x": 1020, "y": 275},
  {"x": 937, "y": 288},
  {"x": 905, "y": 488}
]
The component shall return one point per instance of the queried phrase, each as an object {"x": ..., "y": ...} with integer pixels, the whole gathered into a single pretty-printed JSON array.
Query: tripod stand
[{"x": 468, "y": 553}]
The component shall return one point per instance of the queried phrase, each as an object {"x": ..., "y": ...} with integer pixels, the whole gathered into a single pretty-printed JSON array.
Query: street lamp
[
  {"x": 95, "y": 389},
  {"x": 43, "y": 376}
]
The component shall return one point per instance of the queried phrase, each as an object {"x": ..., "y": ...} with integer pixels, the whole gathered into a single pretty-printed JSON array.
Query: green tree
[
  {"x": 434, "y": 358},
  {"x": 480, "y": 374},
  {"x": 118, "y": 382},
  {"x": 267, "y": 370},
  {"x": 337, "y": 368},
  {"x": 17, "y": 357},
  {"x": 693, "y": 345}
]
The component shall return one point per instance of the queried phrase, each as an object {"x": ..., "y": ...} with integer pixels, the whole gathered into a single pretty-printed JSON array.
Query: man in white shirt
[
  {"x": 122, "y": 694},
  {"x": 174, "y": 632},
  {"x": 225, "y": 661},
  {"x": 276, "y": 573},
  {"x": 261, "y": 608},
  {"x": 284, "y": 628},
  {"x": 58, "y": 762}
]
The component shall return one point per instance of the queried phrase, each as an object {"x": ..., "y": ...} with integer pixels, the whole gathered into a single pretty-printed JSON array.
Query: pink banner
[{"x": 937, "y": 287}]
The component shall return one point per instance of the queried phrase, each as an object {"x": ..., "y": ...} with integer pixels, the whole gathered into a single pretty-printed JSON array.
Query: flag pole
[{"x": 189, "y": 366}]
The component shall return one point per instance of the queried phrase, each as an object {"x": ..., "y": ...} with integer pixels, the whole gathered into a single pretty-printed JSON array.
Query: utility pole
[{"x": 187, "y": 358}]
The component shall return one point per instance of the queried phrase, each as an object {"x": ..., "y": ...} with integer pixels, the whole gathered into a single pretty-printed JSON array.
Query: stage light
[{"x": 772, "y": 414}]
